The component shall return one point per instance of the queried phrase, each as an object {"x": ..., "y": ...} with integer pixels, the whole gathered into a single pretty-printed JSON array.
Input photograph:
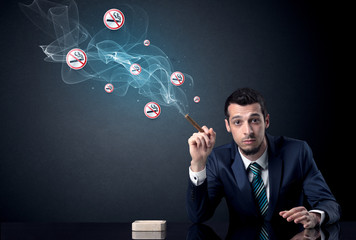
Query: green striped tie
[{"x": 259, "y": 189}]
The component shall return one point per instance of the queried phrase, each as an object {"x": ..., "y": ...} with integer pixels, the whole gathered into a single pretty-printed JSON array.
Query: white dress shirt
[{"x": 198, "y": 178}]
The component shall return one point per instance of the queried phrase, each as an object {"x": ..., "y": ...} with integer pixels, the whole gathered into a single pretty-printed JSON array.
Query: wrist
[
  {"x": 317, "y": 217},
  {"x": 197, "y": 166}
]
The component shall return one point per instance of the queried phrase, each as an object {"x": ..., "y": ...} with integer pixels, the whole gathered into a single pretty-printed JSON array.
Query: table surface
[{"x": 108, "y": 231}]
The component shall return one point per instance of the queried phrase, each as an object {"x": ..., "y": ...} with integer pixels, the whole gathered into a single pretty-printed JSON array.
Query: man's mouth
[{"x": 249, "y": 141}]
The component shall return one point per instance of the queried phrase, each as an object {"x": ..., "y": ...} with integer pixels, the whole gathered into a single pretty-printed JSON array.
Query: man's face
[{"x": 247, "y": 126}]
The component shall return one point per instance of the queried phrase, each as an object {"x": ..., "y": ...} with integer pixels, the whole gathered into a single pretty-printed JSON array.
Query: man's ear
[
  {"x": 267, "y": 121},
  {"x": 227, "y": 125}
]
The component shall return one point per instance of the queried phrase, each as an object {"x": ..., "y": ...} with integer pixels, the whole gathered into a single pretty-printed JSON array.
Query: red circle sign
[
  {"x": 152, "y": 110},
  {"x": 146, "y": 42},
  {"x": 135, "y": 69},
  {"x": 76, "y": 58},
  {"x": 114, "y": 19},
  {"x": 109, "y": 88},
  {"x": 177, "y": 78}
]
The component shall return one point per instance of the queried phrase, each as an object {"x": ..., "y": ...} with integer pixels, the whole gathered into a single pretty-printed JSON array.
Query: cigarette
[
  {"x": 72, "y": 61},
  {"x": 196, "y": 125}
]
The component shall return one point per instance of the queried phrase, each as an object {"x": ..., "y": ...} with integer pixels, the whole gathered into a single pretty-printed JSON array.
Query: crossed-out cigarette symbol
[
  {"x": 76, "y": 58},
  {"x": 153, "y": 108},
  {"x": 116, "y": 16},
  {"x": 136, "y": 68},
  {"x": 109, "y": 88},
  {"x": 80, "y": 57},
  {"x": 178, "y": 77}
]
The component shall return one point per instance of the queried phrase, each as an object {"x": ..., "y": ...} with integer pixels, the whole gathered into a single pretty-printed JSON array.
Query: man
[{"x": 262, "y": 177}]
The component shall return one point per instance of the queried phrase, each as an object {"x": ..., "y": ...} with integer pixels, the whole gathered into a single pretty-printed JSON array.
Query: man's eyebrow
[
  {"x": 255, "y": 115},
  {"x": 236, "y": 116},
  {"x": 252, "y": 115}
]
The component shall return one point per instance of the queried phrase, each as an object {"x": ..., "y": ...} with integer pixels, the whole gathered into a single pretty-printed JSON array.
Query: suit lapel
[
  {"x": 274, "y": 175},
  {"x": 241, "y": 178}
]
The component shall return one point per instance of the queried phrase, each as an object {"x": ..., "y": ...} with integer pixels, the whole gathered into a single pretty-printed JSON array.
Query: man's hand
[
  {"x": 200, "y": 146},
  {"x": 301, "y": 215}
]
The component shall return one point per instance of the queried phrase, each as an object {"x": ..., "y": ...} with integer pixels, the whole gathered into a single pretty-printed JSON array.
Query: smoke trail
[{"x": 110, "y": 53}]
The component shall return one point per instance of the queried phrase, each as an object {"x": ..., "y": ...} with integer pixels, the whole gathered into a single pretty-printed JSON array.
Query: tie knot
[{"x": 255, "y": 168}]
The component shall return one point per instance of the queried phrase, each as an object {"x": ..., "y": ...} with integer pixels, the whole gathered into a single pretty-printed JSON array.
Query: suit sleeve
[
  {"x": 316, "y": 190},
  {"x": 202, "y": 200}
]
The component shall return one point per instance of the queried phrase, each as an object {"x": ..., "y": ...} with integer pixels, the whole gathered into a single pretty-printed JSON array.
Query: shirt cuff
[
  {"x": 322, "y": 215},
  {"x": 197, "y": 178}
]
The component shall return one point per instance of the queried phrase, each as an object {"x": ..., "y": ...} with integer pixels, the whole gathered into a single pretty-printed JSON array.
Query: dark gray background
[{"x": 75, "y": 153}]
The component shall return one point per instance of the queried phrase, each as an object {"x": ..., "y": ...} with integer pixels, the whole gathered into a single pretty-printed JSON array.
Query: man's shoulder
[
  {"x": 287, "y": 146},
  {"x": 285, "y": 142}
]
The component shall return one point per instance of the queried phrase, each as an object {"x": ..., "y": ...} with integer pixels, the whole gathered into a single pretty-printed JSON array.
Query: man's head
[{"x": 247, "y": 120}]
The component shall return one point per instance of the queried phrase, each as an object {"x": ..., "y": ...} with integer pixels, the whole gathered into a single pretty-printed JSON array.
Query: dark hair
[{"x": 243, "y": 97}]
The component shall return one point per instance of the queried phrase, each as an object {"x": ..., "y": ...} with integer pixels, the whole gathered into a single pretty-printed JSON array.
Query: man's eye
[
  {"x": 255, "y": 120},
  {"x": 237, "y": 122}
]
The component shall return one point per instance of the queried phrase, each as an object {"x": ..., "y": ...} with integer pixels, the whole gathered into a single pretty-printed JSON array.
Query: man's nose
[{"x": 247, "y": 128}]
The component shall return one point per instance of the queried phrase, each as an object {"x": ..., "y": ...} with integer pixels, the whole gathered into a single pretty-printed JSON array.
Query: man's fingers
[
  {"x": 191, "y": 140},
  {"x": 302, "y": 219},
  {"x": 200, "y": 140},
  {"x": 206, "y": 130},
  {"x": 299, "y": 215},
  {"x": 281, "y": 213},
  {"x": 194, "y": 140},
  {"x": 292, "y": 211},
  {"x": 296, "y": 216},
  {"x": 212, "y": 135},
  {"x": 204, "y": 139}
]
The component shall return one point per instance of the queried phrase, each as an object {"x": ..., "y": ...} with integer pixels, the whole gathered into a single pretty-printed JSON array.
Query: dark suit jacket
[{"x": 294, "y": 180}]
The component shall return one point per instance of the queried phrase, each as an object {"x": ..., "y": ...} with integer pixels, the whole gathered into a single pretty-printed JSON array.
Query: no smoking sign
[
  {"x": 135, "y": 69},
  {"x": 114, "y": 19},
  {"x": 152, "y": 110},
  {"x": 76, "y": 59},
  {"x": 109, "y": 88},
  {"x": 177, "y": 78}
]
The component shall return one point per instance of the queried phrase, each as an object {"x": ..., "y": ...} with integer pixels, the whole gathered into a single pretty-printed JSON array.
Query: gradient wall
[{"x": 76, "y": 153}]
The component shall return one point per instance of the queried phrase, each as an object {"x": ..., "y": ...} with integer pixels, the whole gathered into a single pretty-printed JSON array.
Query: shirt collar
[{"x": 262, "y": 161}]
